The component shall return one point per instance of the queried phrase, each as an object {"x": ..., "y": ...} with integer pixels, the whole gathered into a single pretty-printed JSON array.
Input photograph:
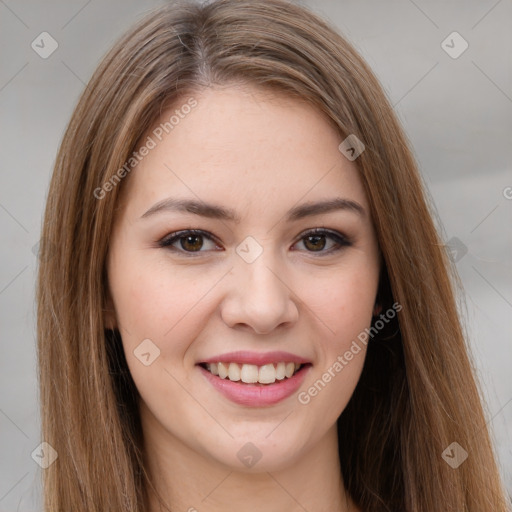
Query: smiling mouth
[{"x": 252, "y": 374}]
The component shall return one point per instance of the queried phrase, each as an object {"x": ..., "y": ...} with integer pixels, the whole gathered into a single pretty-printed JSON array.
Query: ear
[
  {"x": 109, "y": 313},
  {"x": 377, "y": 309}
]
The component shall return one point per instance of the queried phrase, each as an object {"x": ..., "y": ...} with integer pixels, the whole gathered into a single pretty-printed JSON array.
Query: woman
[{"x": 249, "y": 305}]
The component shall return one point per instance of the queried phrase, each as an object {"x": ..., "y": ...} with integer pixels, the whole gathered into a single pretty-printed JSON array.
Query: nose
[{"x": 259, "y": 297}]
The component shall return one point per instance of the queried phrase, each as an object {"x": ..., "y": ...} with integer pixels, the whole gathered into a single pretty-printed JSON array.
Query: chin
[{"x": 257, "y": 454}]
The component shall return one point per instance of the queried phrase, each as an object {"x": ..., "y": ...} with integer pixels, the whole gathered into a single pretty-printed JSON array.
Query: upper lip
[{"x": 256, "y": 358}]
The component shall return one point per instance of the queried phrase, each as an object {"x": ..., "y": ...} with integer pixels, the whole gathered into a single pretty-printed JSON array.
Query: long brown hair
[{"x": 417, "y": 393}]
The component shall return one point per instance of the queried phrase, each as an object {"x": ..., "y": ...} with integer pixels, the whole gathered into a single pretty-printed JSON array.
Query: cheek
[
  {"x": 156, "y": 301},
  {"x": 344, "y": 306},
  {"x": 344, "y": 302},
  {"x": 167, "y": 306}
]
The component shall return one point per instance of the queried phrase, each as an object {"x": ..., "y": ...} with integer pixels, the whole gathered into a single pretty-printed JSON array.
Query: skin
[{"x": 260, "y": 154}]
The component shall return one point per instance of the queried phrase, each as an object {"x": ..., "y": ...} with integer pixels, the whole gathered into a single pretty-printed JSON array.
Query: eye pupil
[
  {"x": 318, "y": 241},
  {"x": 190, "y": 239}
]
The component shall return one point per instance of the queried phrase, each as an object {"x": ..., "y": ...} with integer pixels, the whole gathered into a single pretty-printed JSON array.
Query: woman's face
[{"x": 253, "y": 287}]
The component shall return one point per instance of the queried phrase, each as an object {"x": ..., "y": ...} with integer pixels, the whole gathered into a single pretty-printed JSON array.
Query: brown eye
[
  {"x": 324, "y": 241},
  {"x": 189, "y": 241},
  {"x": 315, "y": 242}
]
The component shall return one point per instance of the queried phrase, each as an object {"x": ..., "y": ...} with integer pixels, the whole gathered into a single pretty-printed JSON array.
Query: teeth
[
  {"x": 251, "y": 374},
  {"x": 280, "y": 371},
  {"x": 223, "y": 370},
  {"x": 267, "y": 374},
  {"x": 234, "y": 372}
]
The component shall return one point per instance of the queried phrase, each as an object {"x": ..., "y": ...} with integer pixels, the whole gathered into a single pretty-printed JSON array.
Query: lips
[
  {"x": 256, "y": 358},
  {"x": 255, "y": 379}
]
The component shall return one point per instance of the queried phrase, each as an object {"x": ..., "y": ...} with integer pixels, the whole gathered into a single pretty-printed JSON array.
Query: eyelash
[{"x": 340, "y": 240}]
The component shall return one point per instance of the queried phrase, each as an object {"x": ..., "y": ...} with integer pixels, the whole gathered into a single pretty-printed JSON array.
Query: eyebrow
[{"x": 214, "y": 211}]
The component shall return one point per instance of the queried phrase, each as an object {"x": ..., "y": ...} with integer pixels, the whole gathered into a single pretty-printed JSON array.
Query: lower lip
[{"x": 257, "y": 395}]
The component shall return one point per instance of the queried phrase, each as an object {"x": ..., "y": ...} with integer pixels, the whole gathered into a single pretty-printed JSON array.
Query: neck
[{"x": 190, "y": 481}]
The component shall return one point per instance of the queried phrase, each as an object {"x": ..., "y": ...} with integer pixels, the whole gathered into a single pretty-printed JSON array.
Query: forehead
[{"x": 240, "y": 146}]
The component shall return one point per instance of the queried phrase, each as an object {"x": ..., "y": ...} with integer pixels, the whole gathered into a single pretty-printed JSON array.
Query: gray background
[{"x": 457, "y": 113}]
